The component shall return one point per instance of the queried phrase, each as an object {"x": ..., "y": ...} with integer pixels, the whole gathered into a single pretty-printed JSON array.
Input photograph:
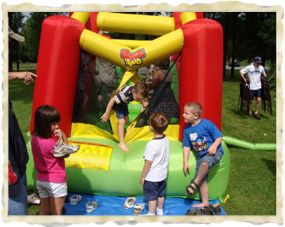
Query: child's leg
[
  {"x": 160, "y": 202},
  {"x": 45, "y": 206},
  {"x": 121, "y": 132},
  {"x": 203, "y": 171},
  {"x": 160, "y": 197},
  {"x": 56, "y": 205},
  {"x": 204, "y": 194},
  {"x": 151, "y": 206}
]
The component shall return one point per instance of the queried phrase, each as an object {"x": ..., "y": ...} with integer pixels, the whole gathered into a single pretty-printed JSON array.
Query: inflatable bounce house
[{"x": 100, "y": 166}]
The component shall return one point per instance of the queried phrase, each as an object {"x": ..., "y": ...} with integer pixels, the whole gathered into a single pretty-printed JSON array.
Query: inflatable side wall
[
  {"x": 58, "y": 65},
  {"x": 201, "y": 78}
]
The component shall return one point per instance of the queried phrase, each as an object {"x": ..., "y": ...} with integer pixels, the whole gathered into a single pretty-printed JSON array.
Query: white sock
[
  {"x": 150, "y": 213},
  {"x": 159, "y": 211}
]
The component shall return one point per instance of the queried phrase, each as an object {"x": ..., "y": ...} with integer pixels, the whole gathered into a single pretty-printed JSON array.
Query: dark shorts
[
  {"x": 121, "y": 111},
  {"x": 211, "y": 160},
  {"x": 154, "y": 190},
  {"x": 255, "y": 93}
]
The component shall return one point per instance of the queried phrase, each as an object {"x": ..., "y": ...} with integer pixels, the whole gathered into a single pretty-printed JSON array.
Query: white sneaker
[
  {"x": 33, "y": 199},
  {"x": 64, "y": 149},
  {"x": 159, "y": 211}
]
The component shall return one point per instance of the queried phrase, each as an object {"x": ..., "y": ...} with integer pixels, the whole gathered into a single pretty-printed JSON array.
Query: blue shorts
[
  {"x": 121, "y": 111},
  {"x": 211, "y": 160},
  {"x": 154, "y": 190},
  {"x": 255, "y": 93}
]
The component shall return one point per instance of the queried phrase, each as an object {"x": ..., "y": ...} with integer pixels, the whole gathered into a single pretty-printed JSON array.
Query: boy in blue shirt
[
  {"x": 204, "y": 137},
  {"x": 119, "y": 103}
]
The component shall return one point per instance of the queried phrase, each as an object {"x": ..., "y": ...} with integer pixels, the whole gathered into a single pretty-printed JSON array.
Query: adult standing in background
[
  {"x": 254, "y": 72},
  {"x": 106, "y": 78},
  {"x": 18, "y": 154}
]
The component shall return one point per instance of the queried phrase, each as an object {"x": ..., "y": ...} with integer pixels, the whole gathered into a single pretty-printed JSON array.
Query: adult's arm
[{"x": 26, "y": 76}]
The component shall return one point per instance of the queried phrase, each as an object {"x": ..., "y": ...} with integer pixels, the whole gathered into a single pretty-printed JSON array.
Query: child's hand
[
  {"x": 105, "y": 117},
  {"x": 212, "y": 150},
  {"x": 58, "y": 132},
  {"x": 142, "y": 179},
  {"x": 145, "y": 104},
  {"x": 186, "y": 168}
]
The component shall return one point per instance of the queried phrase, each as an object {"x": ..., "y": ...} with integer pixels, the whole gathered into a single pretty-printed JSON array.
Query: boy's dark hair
[
  {"x": 141, "y": 88},
  {"x": 195, "y": 107},
  {"x": 159, "y": 122},
  {"x": 44, "y": 116},
  {"x": 162, "y": 64}
]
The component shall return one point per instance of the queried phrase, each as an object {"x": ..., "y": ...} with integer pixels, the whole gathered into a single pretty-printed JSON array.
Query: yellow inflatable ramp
[{"x": 92, "y": 156}]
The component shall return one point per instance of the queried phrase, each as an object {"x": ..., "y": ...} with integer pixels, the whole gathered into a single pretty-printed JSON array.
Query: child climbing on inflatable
[
  {"x": 204, "y": 137},
  {"x": 119, "y": 103},
  {"x": 156, "y": 155},
  {"x": 51, "y": 174}
]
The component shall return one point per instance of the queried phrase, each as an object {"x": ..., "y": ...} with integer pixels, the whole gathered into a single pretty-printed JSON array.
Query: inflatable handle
[{"x": 249, "y": 146}]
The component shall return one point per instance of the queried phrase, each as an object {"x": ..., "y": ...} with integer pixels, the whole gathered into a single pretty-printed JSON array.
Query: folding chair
[
  {"x": 266, "y": 97},
  {"x": 244, "y": 98}
]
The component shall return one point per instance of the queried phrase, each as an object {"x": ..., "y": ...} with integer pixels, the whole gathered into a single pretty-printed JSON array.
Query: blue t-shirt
[{"x": 201, "y": 136}]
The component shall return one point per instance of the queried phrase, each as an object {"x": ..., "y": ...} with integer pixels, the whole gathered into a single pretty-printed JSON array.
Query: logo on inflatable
[{"x": 132, "y": 58}]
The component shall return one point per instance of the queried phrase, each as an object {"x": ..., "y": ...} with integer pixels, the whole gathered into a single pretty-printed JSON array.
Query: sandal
[
  {"x": 205, "y": 210},
  {"x": 191, "y": 187},
  {"x": 215, "y": 209},
  {"x": 194, "y": 211},
  {"x": 91, "y": 206},
  {"x": 75, "y": 199},
  {"x": 138, "y": 208},
  {"x": 130, "y": 202}
]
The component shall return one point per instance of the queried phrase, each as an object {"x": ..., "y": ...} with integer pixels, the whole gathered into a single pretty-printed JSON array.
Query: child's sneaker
[
  {"x": 64, "y": 149},
  {"x": 61, "y": 149}
]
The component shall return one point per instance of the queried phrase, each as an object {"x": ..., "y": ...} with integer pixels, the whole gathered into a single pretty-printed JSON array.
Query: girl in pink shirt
[{"x": 51, "y": 174}]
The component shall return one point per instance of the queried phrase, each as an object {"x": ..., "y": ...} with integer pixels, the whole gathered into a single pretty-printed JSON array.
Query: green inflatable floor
[{"x": 122, "y": 178}]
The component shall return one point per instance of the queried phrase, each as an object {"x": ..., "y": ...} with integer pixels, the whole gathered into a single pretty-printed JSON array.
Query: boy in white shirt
[
  {"x": 254, "y": 72},
  {"x": 156, "y": 155}
]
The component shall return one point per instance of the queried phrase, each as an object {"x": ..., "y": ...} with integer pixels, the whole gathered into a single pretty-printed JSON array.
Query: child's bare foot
[
  {"x": 200, "y": 204},
  {"x": 123, "y": 147}
]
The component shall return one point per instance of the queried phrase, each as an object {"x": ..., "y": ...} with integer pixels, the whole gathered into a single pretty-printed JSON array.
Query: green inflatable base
[{"x": 122, "y": 178}]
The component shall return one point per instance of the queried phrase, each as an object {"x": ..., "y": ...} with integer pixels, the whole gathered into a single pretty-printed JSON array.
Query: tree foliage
[
  {"x": 16, "y": 24},
  {"x": 32, "y": 33},
  {"x": 248, "y": 34}
]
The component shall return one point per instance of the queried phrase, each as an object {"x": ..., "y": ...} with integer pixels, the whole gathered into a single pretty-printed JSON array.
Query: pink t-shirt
[{"x": 48, "y": 168}]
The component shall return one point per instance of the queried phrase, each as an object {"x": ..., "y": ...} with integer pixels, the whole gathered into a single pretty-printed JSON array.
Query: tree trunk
[
  {"x": 234, "y": 42},
  {"x": 225, "y": 43},
  {"x": 17, "y": 57}
]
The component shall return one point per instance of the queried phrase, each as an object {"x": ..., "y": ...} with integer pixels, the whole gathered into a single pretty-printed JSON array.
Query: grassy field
[
  {"x": 25, "y": 65},
  {"x": 252, "y": 183}
]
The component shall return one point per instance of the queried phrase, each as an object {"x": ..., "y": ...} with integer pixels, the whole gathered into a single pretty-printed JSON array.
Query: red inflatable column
[
  {"x": 201, "y": 77},
  {"x": 57, "y": 67}
]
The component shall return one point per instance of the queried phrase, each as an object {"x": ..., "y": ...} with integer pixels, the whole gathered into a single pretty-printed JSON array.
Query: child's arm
[
  {"x": 213, "y": 148},
  {"x": 186, "y": 167},
  {"x": 106, "y": 115},
  {"x": 145, "y": 171}
]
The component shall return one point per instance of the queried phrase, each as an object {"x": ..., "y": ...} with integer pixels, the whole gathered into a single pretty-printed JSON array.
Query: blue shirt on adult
[{"x": 201, "y": 136}]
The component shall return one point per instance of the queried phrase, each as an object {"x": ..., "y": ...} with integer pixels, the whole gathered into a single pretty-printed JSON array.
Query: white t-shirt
[
  {"x": 157, "y": 151},
  {"x": 254, "y": 74}
]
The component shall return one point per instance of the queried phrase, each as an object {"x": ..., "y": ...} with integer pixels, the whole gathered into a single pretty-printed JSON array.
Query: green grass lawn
[
  {"x": 25, "y": 65},
  {"x": 252, "y": 183}
]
